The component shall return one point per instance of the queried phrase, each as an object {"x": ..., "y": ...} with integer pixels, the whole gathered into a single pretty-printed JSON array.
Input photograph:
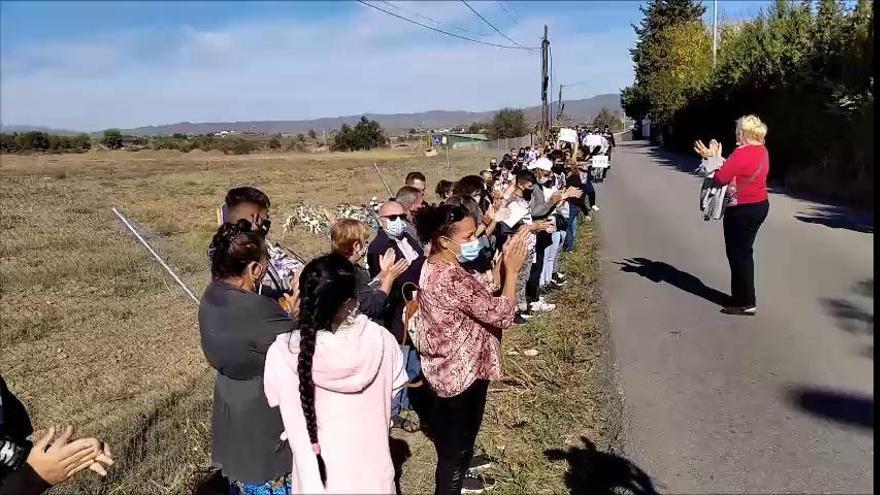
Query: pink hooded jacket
[{"x": 356, "y": 371}]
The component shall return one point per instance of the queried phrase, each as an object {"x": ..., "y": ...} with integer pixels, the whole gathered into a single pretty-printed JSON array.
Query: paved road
[{"x": 780, "y": 402}]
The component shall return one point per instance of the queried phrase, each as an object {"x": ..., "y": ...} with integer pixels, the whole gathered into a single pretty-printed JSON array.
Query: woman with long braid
[{"x": 333, "y": 380}]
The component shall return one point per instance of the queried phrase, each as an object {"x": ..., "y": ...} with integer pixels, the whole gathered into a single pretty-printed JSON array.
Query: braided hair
[
  {"x": 325, "y": 285},
  {"x": 233, "y": 248}
]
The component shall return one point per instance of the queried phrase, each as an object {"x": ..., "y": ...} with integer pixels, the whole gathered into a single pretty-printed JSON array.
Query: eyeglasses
[{"x": 400, "y": 216}]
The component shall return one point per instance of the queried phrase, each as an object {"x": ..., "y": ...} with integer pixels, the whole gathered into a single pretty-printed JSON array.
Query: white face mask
[{"x": 395, "y": 228}]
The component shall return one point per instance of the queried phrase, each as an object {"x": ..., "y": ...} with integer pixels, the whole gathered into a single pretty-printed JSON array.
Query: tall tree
[
  {"x": 508, "y": 123},
  {"x": 649, "y": 55},
  {"x": 659, "y": 15}
]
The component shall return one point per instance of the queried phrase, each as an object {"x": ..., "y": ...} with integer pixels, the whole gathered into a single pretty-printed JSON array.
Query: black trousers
[
  {"x": 533, "y": 285},
  {"x": 741, "y": 224},
  {"x": 456, "y": 422}
]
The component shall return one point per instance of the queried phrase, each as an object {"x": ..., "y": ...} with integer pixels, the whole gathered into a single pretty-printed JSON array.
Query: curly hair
[
  {"x": 325, "y": 285},
  {"x": 234, "y": 247}
]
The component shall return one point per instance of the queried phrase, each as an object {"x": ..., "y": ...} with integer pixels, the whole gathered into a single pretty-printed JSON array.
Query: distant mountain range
[{"x": 579, "y": 110}]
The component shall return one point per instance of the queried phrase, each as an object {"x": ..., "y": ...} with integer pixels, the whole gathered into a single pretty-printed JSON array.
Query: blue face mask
[
  {"x": 469, "y": 250},
  {"x": 395, "y": 228}
]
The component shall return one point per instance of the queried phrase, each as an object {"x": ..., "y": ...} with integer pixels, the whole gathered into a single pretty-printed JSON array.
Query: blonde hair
[
  {"x": 345, "y": 233},
  {"x": 751, "y": 128}
]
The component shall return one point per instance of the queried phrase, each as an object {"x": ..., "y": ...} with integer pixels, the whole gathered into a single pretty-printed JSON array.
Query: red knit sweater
[{"x": 739, "y": 168}]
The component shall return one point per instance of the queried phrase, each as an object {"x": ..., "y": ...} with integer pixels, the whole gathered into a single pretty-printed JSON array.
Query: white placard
[
  {"x": 568, "y": 135},
  {"x": 599, "y": 161}
]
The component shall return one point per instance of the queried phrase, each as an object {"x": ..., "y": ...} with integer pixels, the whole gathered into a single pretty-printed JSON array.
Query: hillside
[{"x": 433, "y": 119}]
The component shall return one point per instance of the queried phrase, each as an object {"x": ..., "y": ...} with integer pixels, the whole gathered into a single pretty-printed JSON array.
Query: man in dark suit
[{"x": 392, "y": 217}]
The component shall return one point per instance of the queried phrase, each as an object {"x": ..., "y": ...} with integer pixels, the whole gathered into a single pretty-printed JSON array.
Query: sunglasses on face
[{"x": 400, "y": 216}]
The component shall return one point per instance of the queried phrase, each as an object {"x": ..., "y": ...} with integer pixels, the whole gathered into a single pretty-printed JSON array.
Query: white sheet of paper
[
  {"x": 568, "y": 135},
  {"x": 516, "y": 212}
]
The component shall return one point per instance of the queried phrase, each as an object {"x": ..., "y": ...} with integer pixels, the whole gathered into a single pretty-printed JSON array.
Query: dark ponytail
[
  {"x": 326, "y": 283},
  {"x": 233, "y": 248}
]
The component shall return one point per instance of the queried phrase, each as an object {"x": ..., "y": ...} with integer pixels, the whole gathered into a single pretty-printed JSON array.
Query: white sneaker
[
  {"x": 541, "y": 306},
  {"x": 595, "y": 208}
]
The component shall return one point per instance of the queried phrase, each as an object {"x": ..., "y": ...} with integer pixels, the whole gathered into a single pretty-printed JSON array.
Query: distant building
[{"x": 466, "y": 140}]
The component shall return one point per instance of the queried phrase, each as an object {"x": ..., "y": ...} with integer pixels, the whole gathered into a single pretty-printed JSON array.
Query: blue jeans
[
  {"x": 413, "y": 365},
  {"x": 574, "y": 214}
]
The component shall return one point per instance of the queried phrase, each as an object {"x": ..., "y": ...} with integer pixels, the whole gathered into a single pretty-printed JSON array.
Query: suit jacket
[{"x": 393, "y": 319}]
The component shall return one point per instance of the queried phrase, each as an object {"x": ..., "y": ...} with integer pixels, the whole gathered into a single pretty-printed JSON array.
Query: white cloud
[{"x": 280, "y": 70}]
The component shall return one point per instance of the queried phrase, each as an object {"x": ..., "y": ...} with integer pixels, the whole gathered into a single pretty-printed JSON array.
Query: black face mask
[{"x": 527, "y": 194}]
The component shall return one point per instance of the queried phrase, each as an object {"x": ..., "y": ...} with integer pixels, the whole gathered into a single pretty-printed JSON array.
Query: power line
[
  {"x": 490, "y": 24},
  {"x": 417, "y": 23},
  {"x": 512, "y": 18},
  {"x": 513, "y": 9},
  {"x": 435, "y": 21}
]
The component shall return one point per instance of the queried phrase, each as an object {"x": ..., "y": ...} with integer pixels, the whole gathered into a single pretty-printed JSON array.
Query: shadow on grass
[
  {"x": 591, "y": 472},
  {"x": 657, "y": 272},
  {"x": 400, "y": 452},
  {"x": 839, "y": 407}
]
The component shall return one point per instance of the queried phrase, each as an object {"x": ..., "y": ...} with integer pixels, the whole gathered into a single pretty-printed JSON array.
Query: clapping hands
[
  {"x": 56, "y": 459},
  {"x": 713, "y": 150}
]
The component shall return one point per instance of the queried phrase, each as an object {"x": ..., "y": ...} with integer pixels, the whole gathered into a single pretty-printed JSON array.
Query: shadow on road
[
  {"x": 657, "y": 271},
  {"x": 837, "y": 217},
  {"x": 679, "y": 161},
  {"x": 840, "y": 407},
  {"x": 853, "y": 317},
  {"x": 591, "y": 472}
]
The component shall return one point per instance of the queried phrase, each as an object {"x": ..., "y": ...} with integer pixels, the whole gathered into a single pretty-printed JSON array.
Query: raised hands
[
  {"x": 514, "y": 253},
  {"x": 290, "y": 302},
  {"x": 57, "y": 459},
  {"x": 390, "y": 267},
  {"x": 713, "y": 150}
]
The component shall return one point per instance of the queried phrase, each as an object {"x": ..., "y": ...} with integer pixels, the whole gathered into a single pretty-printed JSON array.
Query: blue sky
[{"x": 94, "y": 65}]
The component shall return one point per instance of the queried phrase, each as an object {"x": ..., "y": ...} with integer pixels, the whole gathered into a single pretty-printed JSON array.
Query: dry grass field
[{"x": 95, "y": 334}]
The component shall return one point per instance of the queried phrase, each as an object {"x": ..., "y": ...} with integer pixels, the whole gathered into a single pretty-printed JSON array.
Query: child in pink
[{"x": 356, "y": 370}]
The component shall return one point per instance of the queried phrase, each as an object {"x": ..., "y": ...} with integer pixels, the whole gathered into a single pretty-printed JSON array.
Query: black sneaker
[
  {"x": 558, "y": 277},
  {"x": 477, "y": 484},
  {"x": 479, "y": 463},
  {"x": 740, "y": 311},
  {"x": 520, "y": 319}
]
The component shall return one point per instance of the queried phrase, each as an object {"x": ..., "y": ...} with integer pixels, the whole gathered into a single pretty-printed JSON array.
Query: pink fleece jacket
[{"x": 356, "y": 371}]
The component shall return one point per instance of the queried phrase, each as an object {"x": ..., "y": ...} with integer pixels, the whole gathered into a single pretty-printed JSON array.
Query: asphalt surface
[{"x": 781, "y": 402}]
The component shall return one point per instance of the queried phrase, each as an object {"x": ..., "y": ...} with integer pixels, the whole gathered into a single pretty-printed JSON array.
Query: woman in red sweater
[{"x": 745, "y": 174}]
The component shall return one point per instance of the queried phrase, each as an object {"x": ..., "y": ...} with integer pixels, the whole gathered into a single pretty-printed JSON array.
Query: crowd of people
[
  {"x": 405, "y": 323},
  {"x": 390, "y": 329}
]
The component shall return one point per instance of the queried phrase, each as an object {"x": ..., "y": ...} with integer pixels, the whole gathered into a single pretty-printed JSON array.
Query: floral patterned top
[{"x": 461, "y": 323}]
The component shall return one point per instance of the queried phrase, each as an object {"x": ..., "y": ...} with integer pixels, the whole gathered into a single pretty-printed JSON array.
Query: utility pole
[
  {"x": 325, "y": 140},
  {"x": 545, "y": 109},
  {"x": 714, "y": 31},
  {"x": 559, "y": 106}
]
